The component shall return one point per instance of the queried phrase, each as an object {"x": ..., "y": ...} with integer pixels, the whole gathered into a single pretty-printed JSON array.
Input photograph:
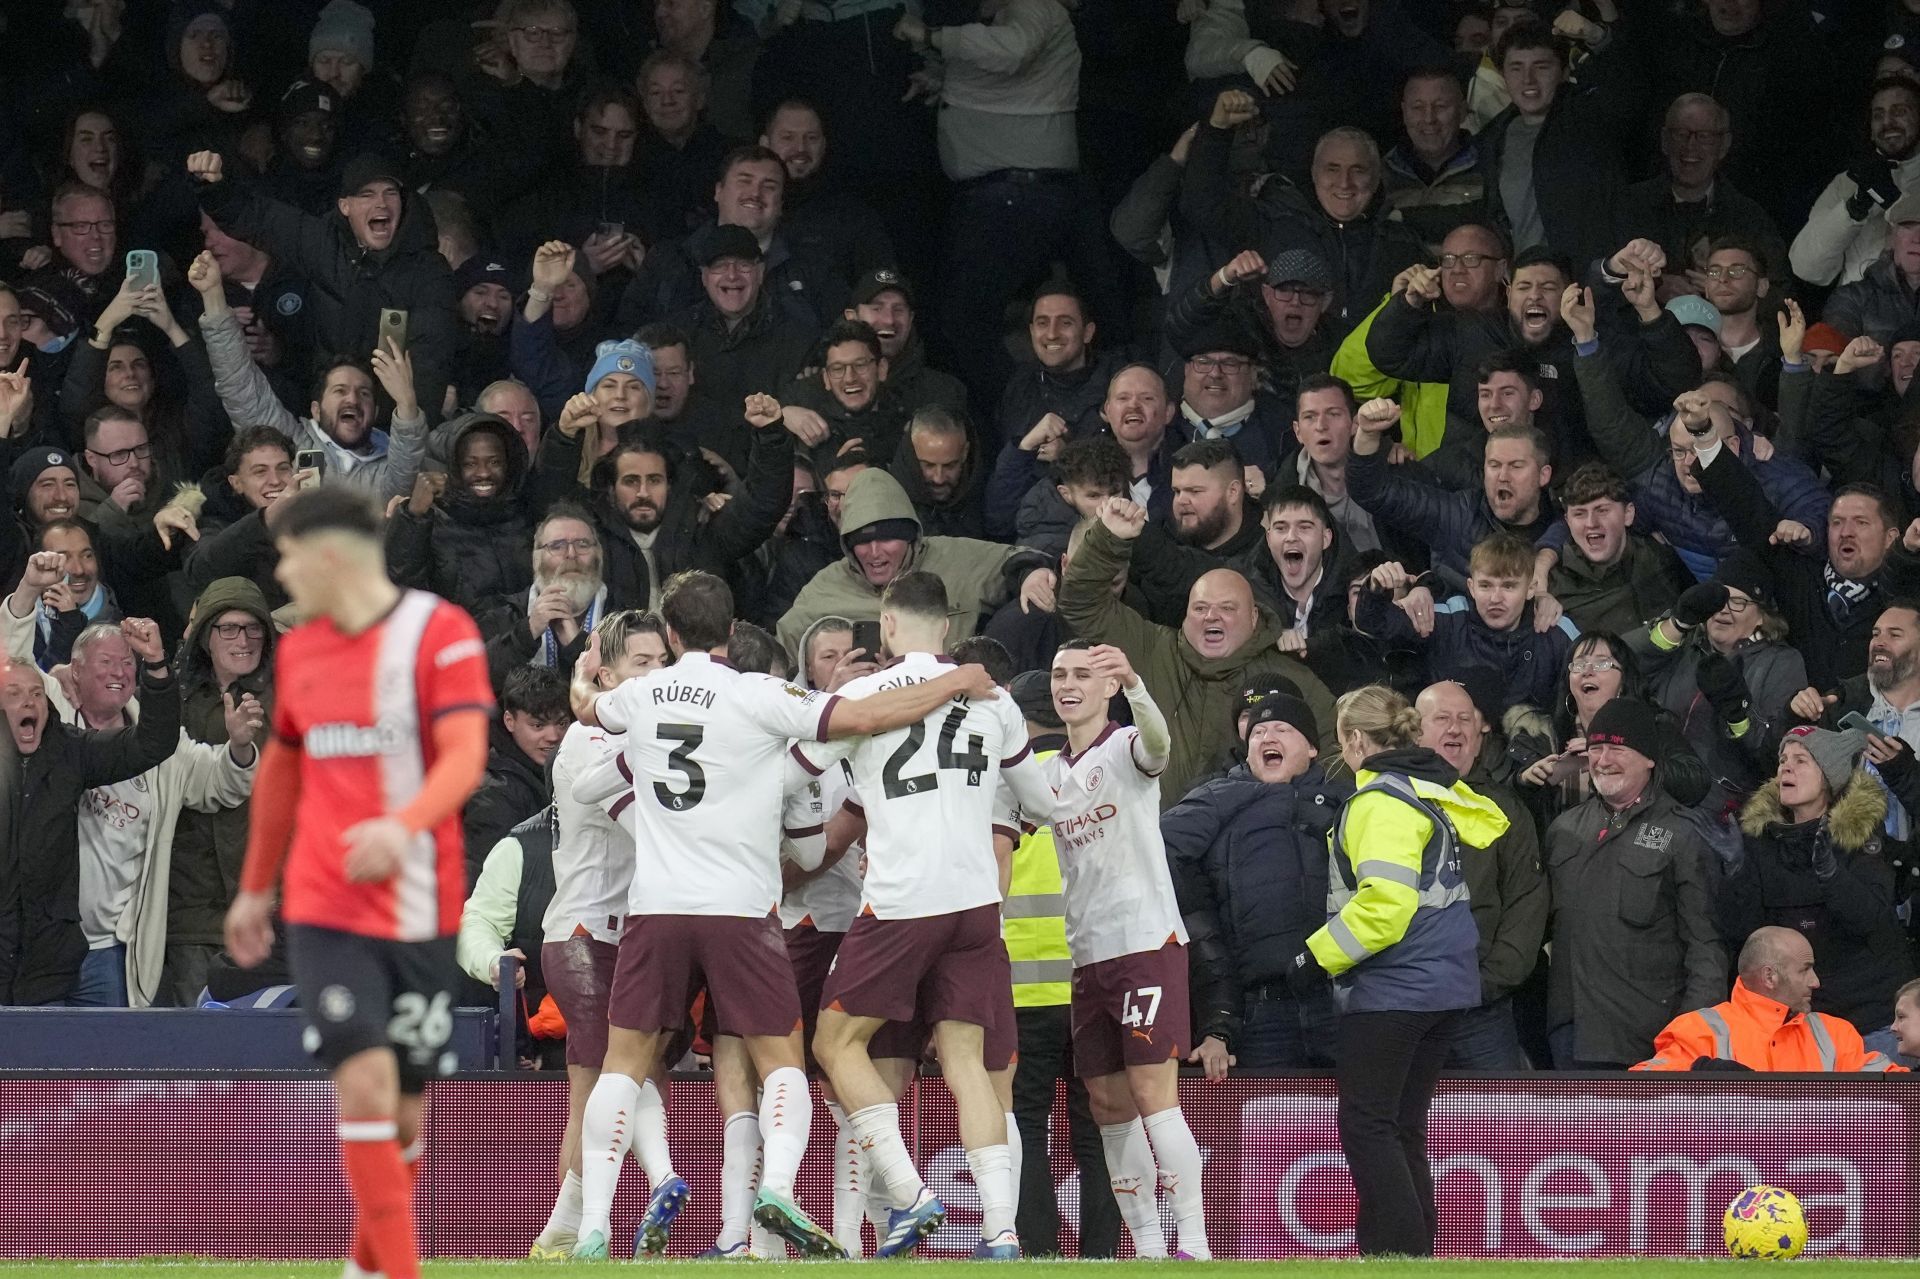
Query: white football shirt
[
  {"x": 1106, "y": 830},
  {"x": 593, "y": 857},
  {"x": 829, "y": 901},
  {"x": 928, "y": 792},
  {"x": 704, "y": 748}
]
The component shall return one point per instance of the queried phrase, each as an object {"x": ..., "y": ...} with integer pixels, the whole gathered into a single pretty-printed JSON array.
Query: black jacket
[
  {"x": 688, "y": 536},
  {"x": 1249, "y": 862},
  {"x": 514, "y": 789},
  {"x": 763, "y": 353},
  {"x": 466, "y": 549},
  {"x": 1034, "y": 390},
  {"x": 802, "y": 287},
  {"x": 1845, "y": 908},
  {"x": 351, "y": 285},
  {"x": 1363, "y": 254},
  {"x": 41, "y": 945}
]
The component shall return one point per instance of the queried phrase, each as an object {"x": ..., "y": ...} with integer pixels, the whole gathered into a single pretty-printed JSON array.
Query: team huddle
[{"x": 827, "y": 867}]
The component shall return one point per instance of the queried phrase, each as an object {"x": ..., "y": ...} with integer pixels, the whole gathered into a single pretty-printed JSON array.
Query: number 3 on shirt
[
  {"x": 1140, "y": 1007},
  {"x": 680, "y": 760}
]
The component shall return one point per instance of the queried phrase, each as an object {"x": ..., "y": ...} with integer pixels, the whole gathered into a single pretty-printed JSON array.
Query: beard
[
  {"x": 580, "y": 586},
  {"x": 1204, "y": 530},
  {"x": 1898, "y": 672}
]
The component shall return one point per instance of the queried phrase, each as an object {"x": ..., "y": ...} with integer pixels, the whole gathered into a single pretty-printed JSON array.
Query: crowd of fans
[{"x": 1551, "y": 363}]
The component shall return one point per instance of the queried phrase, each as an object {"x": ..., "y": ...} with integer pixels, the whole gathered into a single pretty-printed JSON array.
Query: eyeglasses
[
  {"x": 235, "y": 630},
  {"x": 120, "y": 457},
  {"x": 1299, "y": 294},
  {"x": 101, "y": 226},
  {"x": 569, "y": 545},
  {"x": 1738, "y": 271},
  {"x": 1220, "y": 364},
  {"x": 1680, "y": 454},
  {"x": 1738, "y": 604},
  {"x": 544, "y": 35},
  {"x": 847, "y": 368},
  {"x": 1467, "y": 260},
  {"x": 1592, "y": 665},
  {"x": 1687, "y": 137}
]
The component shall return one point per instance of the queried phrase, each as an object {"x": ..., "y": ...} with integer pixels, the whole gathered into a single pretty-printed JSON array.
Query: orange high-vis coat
[{"x": 1763, "y": 1034}]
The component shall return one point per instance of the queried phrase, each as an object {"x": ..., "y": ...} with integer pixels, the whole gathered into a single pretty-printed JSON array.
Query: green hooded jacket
[
  {"x": 208, "y": 848},
  {"x": 1198, "y": 695},
  {"x": 980, "y": 576}
]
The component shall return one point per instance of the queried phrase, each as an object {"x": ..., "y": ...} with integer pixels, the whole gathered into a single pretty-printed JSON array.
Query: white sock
[
  {"x": 1131, "y": 1172},
  {"x": 1180, "y": 1174},
  {"x": 786, "y": 1121},
  {"x": 849, "y": 1183},
  {"x": 564, "y": 1220},
  {"x": 650, "y": 1135},
  {"x": 990, "y": 1166},
  {"x": 739, "y": 1160},
  {"x": 1016, "y": 1152},
  {"x": 606, "y": 1130},
  {"x": 878, "y": 1128}
]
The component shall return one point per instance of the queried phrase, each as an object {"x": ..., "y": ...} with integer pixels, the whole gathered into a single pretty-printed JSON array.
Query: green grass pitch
[{"x": 1630, "y": 1268}]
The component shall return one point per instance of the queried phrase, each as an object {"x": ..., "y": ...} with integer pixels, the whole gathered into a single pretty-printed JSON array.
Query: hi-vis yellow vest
[{"x": 1034, "y": 923}]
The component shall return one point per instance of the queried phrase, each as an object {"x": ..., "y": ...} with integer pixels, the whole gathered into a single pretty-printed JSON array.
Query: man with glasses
[
  {"x": 1283, "y": 302},
  {"x": 1846, "y": 232},
  {"x": 1692, "y": 204},
  {"x": 86, "y": 242},
  {"x": 852, "y": 403},
  {"x": 119, "y": 458},
  {"x": 1735, "y": 282},
  {"x": 550, "y": 625},
  {"x": 1220, "y": 398}
]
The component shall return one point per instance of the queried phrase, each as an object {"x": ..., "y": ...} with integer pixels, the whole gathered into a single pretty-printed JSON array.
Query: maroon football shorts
[{"x": 1131, "y": 1010}]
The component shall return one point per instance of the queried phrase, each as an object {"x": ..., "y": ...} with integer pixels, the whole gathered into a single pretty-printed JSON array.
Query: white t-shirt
[
  {"x": 929, "y": 795},
  {"x": 113, "y": 844},
  {"x": 1106, "y": 829},
  {"x": 704, "y": 747},
  {"x": 593, "y": 856},
  {"x": 829, "y": 901}
]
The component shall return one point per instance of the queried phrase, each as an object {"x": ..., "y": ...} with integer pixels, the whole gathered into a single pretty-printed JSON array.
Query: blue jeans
[
  {"x": 1485, "y": 1038},
  {"x": 102, "y": 982},
  {"x": 1279, "y": 1032}
]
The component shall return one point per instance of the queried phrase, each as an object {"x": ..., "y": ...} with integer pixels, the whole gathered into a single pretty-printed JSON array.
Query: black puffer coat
[{"x": 471, "y": 550}]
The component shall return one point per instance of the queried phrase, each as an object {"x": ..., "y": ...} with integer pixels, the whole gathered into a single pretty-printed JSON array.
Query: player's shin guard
[
  {"x": 382, "y": 1194},
  {"x": 1178, "y": 1155},
  {"x": 650, "y": 1134},
  {"x": 849, "y": 1183},
  {"x": 992, "y": 1171},
  {"x": 786, "y": 1121},
  {"x": 878, "y": 1128},
  {"x": 1133, "y": 1176},
  {"x": 739, "y": 1160},
  {"x": 606, "y": 1131}
]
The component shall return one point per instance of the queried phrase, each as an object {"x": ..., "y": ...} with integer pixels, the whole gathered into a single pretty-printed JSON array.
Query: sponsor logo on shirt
[
  {"x": 349, "y": 741},
  {"x": 1654, "y": 837},
  {"x": 459, "y": 651}
]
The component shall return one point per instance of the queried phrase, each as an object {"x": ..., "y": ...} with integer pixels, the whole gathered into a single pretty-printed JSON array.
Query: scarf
[
  {"x": 549, "y": 654},
  {"x": 1224, "y": 427},
  {"x": 1844, "y": 596}
]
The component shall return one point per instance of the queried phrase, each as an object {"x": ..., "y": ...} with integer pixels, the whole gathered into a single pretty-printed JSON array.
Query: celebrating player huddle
[{"x": 676, "y": 797}]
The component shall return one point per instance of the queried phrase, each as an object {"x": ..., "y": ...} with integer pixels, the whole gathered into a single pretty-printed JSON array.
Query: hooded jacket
[
  {"x": 1396, "y": 945},
  {"x": 467, "y": 549},
  {"x": 209, "y": 847},
  {"x": 962, "y": 513},
  {"x": 1633, "y": 940},
  {"x": 1844, "y": 908},
  {"x": 350, "y": 285},
  {"x": 1199, "y": 695},
  {"x": 980, "y": 576},
  {"x": 1249, "y": 862}
]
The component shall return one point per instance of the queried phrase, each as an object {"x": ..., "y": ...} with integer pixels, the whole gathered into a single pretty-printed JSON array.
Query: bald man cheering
[{"x": 1195, "y": 671}]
